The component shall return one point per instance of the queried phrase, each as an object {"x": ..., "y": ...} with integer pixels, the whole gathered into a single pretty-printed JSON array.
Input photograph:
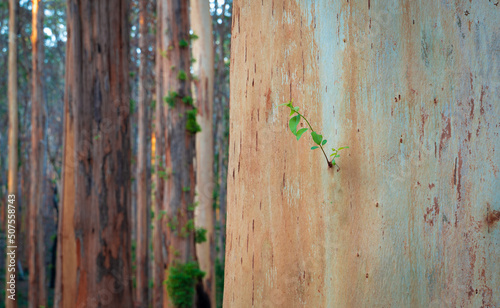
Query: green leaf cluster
[
  {"x": 181, "y": 283},
  {"x": 182, "y": 75},
  {"x": 188, "y": 100},
  {"x": 200, "y": 236},
  {"x": 192, "y": 125},
  {"x": 336, "y": 154},
  {"x": 170, "y": 98},
  {"x": 183, "y": 43},
  {"x": 317, "y": 138}
]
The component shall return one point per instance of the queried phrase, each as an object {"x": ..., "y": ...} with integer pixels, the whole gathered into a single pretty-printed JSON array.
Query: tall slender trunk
[
  {"x": 37, "y": 293},
  {"x": 203, "y": 67},
  {"x": 94, "y": 233},
  {"x": 143, "y": 191},
  {"x": 175, "y": 135},
  {"x": 13, "y": 134}
]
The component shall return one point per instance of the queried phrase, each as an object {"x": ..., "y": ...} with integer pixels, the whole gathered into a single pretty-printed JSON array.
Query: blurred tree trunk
[
  {"x": 37, "y": 294},
  {"x": 176, "y": 125},
  {"x": 94, "y": 233},
  {"x": 411, "y": 219},
  {"x": 143, "y": 188},
  {"x": 203, "y": 67},
  {"x": 13, "y": 135},
  {"x": 221, "y": 98}
]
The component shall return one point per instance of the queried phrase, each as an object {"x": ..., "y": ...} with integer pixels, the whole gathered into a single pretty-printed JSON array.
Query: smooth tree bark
[
  {"x": 37, "y": 293},
  {"x": 94, "y": 257},
  {"x": 13, "y": 139},
  {"x": 143, "y": 187},
  {"x": 174, "y": 243},
  {"x": 203, "y": 67},
  {"x": 411, "y": 218}
]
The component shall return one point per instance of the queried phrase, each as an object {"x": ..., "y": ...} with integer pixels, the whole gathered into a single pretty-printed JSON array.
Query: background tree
[
  {"x": 406, "y": 220},
  {"x": 176, "y": 126},
  {"x": 221, "y": 20},
  {"x": 143, "y": 166},
  {"x": 13, "y": 122},
  {"x": 203, "y": 68},
  {"x": 94, "y": 233},
  {"x": 37, "y": 292}
]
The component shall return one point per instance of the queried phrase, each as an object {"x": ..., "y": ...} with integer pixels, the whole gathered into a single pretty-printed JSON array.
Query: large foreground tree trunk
[
  {"x": 203, "y": 67},
  {"x": 37, "y": 293},
  {"x": 411, "y": 217},
  {"x": 94, "y": 232},
  {"x": 13, "y": 142}
]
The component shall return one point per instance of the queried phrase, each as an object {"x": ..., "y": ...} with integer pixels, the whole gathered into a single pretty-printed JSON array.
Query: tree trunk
[
  {"x": 411, "y": 217},
  {"x": 13, "y": 144},
  {"x": 94, "y": 233},
  {"x": 175, "y": 128},
  {"x": 143, "y": 192},
  {"x": 37, "y": 293},
  {"x": 203, "y": 67}
]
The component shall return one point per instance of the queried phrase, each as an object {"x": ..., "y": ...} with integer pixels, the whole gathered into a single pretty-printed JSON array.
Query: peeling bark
[
  {"x": 175, "y": 173},
  {"x": 94, "y": 233},
  {"x": 37, "y": 292}
]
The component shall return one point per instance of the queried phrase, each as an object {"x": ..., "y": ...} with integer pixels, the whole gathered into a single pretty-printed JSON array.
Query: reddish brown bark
[
  {"x": 143, "y": 192},
  {"x": 13, "y": 132},
  {"x": 95, "y": 229},
  {"x": 175, "y": 174},
  {"x": 37, "y": 293}
]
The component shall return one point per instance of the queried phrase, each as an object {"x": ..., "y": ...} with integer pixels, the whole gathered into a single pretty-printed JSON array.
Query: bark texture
[
  {"x": 94, "y": 233},
  {"x": 13, "y": 129},
  {"x": 203, "y": 67},
  {"x": 411, "y": 217},
  {"x": 175, "y": 173},
  {"x": 143, "y": 191},
  {"x": 37, "y": 294}
]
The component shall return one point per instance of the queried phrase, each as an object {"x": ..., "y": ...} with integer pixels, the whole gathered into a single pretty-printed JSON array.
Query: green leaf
[
  {"x": 324, "y": 142},
  {"x": 337, "y": 155},
  {"x": 316, "y": 137},
  {"x": 292, "y": 111},
  {"x": 289, "y": 104},
  {"x": 294, "y": 121},
  {"x": 314, "y": 147},
  {"x": 300, "y": 132},
  {"x": 341, "y": 148}
]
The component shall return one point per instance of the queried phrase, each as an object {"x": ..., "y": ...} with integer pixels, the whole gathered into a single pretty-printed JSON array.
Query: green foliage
[
  {"x": 192, "y": 125},
  {"x": 183, "y": 43},
  {"x": 336, "y": 154},
  {"x": 193, "y": 36},
  {"x": 188, "y": 100},
  {"x": 132, "y": 105},
  {"x": 173, "y": 223},
  {"x": 186, "y": 189},
  {"x": 181, "y": 283},
  {"x": 170, "y": 98},
  {"x": 182, "y": 75},
  {"x": 163, "y": 174},
  {"x": 187, "y": 229},
  {"x": 200, "y": 236},
  {"x": 316, "y": 137},
  {"x": 192, "y": 206}
]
